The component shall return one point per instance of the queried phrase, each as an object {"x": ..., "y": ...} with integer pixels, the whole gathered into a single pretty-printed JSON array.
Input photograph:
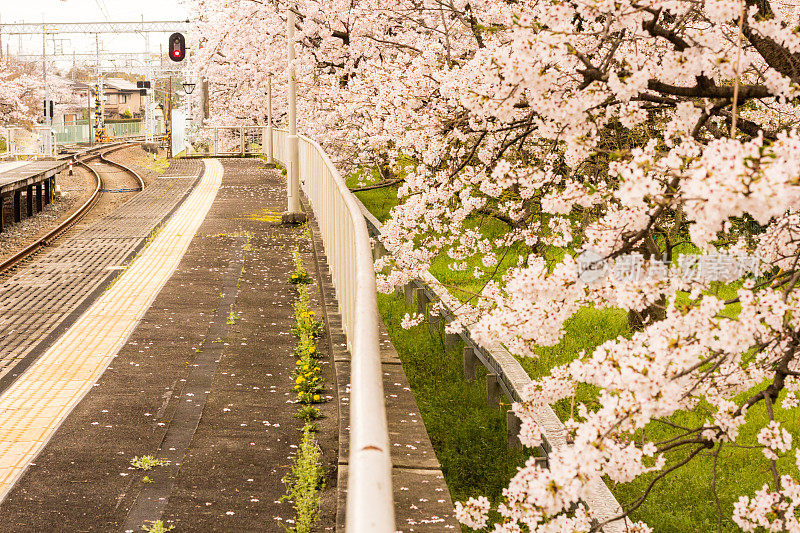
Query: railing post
[
  {"x": 422, "y": 301},
  {"x": 408, "y": 293},
  {"x": 469, "y": 363},
  {"x": 451, "y": 340},
  {"x": 378, "y": 250},
  {"x": 513, "y": 426},
  {"x": 435, "y": 322},
  {"x": 266, "y": 145},
  {"x": 492, "y": 389},
  {"x": 241, "y": 139}
]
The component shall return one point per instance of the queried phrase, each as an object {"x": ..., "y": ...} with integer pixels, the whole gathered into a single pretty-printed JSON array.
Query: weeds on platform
[
  {"x": 299, "y": 276},
  {"x": 157, "y": 527},
  {"x": 147, "y": 462},
  {"x": 308, "y": 413},
  {"x": 305, "y": 481},
  {"x": 232, "y": 316},
  {"x": 305, "y": 324},
  {"x": 308, "y": 381}
]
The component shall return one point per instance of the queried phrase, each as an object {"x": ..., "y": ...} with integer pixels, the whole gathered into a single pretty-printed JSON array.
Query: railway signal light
[
  {"x": 48, "y": 109},
  {"x": 177, "y": 47},
  {"x": 143, "y": 86}
]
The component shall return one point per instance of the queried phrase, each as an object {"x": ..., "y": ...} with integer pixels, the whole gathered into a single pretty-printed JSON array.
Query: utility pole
[
  {"x": 206, "y": 105},
  {"x": 149, "y": 110},
  {"x": 268, "y": 140},
  {"x": 102, "y": 102},
  {"x": 293, "y": 213},
  {"x": 48, "y": 120},
  {"x": 169, "y": 114},
  {"x": 89, "y": 113}
]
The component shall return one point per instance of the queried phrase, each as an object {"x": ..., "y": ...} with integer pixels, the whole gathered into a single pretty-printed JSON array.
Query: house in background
[{"x": 122, "y": 97}]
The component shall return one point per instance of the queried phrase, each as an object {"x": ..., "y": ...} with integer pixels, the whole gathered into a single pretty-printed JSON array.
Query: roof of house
[
  {"x": 80, "y": 85},
  {"x": 120, "y": 84},
  {"x": 110, "y": 83}
]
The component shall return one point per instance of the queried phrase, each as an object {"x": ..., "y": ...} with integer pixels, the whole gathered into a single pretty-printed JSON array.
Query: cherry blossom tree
[
  {"x": 624, "y": 132},
  {"x": 22, "y": 92},
  {"x": 19, "y": 92}
]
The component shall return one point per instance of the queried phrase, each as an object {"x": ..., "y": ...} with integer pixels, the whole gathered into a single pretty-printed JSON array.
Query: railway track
[{"x": 82, "y": 159}]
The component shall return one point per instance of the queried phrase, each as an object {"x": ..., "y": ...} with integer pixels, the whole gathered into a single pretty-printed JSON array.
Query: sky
[{"x": 88, "y": 11}]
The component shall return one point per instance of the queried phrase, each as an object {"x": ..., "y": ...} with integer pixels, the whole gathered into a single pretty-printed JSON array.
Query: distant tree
[{"x": 20, "y": 92}]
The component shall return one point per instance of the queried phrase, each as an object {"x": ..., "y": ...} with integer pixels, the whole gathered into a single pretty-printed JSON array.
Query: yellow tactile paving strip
[{"x": 38, "y": 402}]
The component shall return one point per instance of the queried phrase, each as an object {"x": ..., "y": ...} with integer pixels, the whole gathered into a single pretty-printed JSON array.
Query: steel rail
[
  {"x": 76, "y": 216},
  {"x": 121, "y": 166}
]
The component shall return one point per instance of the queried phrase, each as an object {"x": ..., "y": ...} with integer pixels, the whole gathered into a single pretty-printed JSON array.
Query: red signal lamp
[{"x": 177, "y": 47}]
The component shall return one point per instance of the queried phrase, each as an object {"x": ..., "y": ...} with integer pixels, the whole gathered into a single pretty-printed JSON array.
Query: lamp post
[
  {"x": 293, "y": 214},
  {"x": 188, "y": 88}
]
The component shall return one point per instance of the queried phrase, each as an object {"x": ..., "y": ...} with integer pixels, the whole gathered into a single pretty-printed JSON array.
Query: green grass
[
  {"x": 468, "y": 435},
  {"x": 378, "y": 201},
  {"x": 159, "y": 164}
]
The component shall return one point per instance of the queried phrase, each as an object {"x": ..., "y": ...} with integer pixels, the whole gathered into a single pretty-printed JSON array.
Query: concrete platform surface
[
  {"x": 188, "y": 357},
  {"x": 18, "y": 177},
  {"x": 10, "y": 165},
  {"x": 38, "y": 401}
]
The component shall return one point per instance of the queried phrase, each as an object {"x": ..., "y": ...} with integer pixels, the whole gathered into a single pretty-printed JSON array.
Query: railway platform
[
  {"x": 36, "y": 180},
  {"x": 164, "y": 329}
]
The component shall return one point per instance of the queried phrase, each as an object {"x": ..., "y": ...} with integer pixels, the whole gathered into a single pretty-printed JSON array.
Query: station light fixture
[
  {"x": 189, "y": 87},
  {"x": 177, "y": 47}
]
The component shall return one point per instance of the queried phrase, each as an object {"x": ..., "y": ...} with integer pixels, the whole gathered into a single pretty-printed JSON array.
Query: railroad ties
[{"x": 36, "y": 179}]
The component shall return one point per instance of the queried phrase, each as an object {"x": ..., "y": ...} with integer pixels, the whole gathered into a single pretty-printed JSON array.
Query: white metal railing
[
  {"x": 20, "y": 142},
  {"x": 229, "y": 141},
  {"x": 370, "y": 502}
]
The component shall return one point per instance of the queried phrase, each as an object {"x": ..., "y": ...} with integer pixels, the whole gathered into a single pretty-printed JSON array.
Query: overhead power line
[
  {"x": 103, "y": 9},
  {"x": 161, "y": 26}
]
